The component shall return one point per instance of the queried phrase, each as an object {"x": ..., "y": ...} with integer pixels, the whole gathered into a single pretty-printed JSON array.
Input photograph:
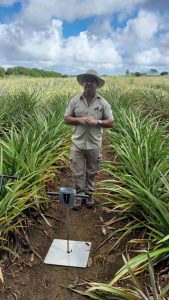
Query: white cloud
[
  {"x": 138, "y": 36},
  {"x": 148, "y": 57},
  {"x": 152, "y": 57},
  {"x": 43, "y": 45},
  {"x": 36, "y": 38},
  {"x": 41, "y": 11},
  {"x": 101, "y": 26},
  {"x": 144, "y": 26},
  {"x": 92, "y": 50},
  {"x": 164, "y": 41},
  {"x": 138, "y": 33},
  {"x": 48, "y": 48}
]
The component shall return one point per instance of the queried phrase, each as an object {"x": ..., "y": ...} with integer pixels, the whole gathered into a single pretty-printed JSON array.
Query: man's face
[{"x": 90, "y": 85}]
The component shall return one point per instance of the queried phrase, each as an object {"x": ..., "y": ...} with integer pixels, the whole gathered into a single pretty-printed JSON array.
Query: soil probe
[
  {"x": 67, "y": 252},
  {"x": 64, "y": 252}
]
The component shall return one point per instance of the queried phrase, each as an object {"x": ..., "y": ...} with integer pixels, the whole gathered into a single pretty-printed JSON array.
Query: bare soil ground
[{"x": 38, "y": 281}]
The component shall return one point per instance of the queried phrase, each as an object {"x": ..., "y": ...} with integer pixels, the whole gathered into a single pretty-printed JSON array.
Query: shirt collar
[{"x": 97, "y": 96}]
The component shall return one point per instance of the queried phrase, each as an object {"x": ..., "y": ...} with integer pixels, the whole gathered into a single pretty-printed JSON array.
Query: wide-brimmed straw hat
[{"x": 93, "y": 73}]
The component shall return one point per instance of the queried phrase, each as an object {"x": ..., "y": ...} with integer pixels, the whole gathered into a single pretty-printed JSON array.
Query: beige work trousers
[{"x": 84, "y": 165}]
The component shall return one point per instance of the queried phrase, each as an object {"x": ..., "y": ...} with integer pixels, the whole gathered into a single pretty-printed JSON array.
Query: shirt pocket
[
  {"x": 98, "y": 113},
  {"x": 79, "y": 112}
]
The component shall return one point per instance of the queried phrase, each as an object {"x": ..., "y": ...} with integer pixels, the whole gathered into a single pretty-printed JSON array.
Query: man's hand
[
  {"x": 90, "y": 121},
  {"x": 87, "y": 121},
  {"x": 82, "y": 120}
]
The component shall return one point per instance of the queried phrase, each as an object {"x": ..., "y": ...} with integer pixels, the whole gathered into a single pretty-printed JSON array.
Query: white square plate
[{"x": 78, "y": 256}]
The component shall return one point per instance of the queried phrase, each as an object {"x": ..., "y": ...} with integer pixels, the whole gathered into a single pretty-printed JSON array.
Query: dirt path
[{"x": 46, "y": 282}]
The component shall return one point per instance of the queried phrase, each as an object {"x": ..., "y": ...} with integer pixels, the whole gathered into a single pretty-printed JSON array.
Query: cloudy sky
[{"x": 71, "y": 36}]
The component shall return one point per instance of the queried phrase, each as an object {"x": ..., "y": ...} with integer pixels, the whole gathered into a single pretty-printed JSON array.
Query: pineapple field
[{"x": 129, "y": 227}]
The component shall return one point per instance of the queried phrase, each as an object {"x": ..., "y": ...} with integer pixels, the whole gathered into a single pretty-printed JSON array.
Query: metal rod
[
  {"x": 67, "y": 229},
  {"x": 82, "y": 196},
  {"x": 67, "y": 212},
  {"x": 57, "y": 194},
  {"x": 53, "y": 193}
]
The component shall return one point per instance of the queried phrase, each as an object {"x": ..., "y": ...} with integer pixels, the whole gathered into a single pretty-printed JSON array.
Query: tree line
[
  {"x": 29, "y": 72},
  {"x": 151, "y": 72},
  {"x": 33, "y": 72}
]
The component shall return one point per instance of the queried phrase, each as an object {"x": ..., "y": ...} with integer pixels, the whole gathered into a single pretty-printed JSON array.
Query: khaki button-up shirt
[{"x": 88, "y": 137}]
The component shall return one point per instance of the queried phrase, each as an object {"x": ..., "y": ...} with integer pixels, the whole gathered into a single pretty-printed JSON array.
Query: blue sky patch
[
  {"x": 73, "y": 28},
  {"x": 6, "y": 13}
]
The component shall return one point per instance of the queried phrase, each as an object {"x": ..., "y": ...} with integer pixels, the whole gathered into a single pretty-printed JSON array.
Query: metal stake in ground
[{"x": 68, "y": 252}]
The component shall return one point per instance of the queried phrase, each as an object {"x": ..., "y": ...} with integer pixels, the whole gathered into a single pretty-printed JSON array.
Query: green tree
[
  {"x": 137, "y": 74},
  {"x": 153, "y": 72},
  {"x": 164, "y": 73},
  {"x": 2, "y": 72},
  {"x": 31, "y": 72}
]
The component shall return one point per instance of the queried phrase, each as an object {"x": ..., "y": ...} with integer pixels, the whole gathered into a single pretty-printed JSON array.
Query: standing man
[{"x": 88, "y": 113}]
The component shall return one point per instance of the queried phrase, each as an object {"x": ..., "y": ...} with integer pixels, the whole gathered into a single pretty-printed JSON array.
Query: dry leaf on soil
[
  {"x": 106, "y": 209},
  {"x": 104, "y": 230},
  {"x": 1, "y": 275},
  {"x": 101, "y": 219},
  {"x": 89, "y": 262},
  {"x": 76, "y": 281}
]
